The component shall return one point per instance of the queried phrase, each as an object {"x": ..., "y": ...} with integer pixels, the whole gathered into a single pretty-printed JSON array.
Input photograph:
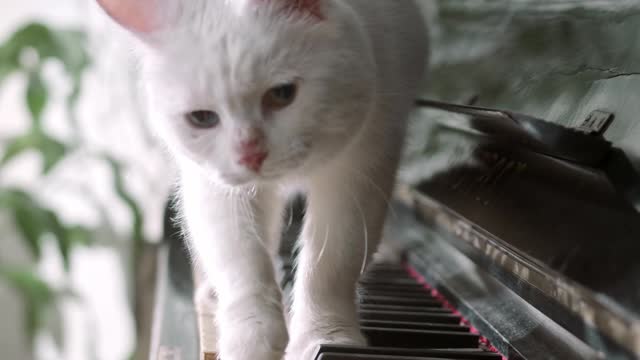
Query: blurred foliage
[
  {"x": 25, "y": 54},
  {"x": 37, "y": 296}
]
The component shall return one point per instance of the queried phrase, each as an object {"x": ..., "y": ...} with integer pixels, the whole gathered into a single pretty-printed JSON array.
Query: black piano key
[
  {"x": 438, "y": 318},
  {"x": 403, "y": 321},
  {"x": 458, "y": 354},
  {"x": 333, "y": 356},
  {"x": 429, "y": 309},
  {"x": 390, "y": 284},
  {"x": 387, "y": 276},
  {"x": 424, "y": 339},
  {"x": 385, "y": 270},
  {"x": 395, "y": 279},
  {"x": 398, "y": 300},
  {"x": 390, "y": 281},
  {"x": 390, "y": 271},
  {"x": 403, "y": 294},
  {"x": 388, "y": 266},
  {"x": 387, "y": 324}
]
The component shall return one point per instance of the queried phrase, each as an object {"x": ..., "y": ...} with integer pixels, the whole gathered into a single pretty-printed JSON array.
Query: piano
[
  {"x": 515, "y": 228},
  {"x": 482, "y": 268}
]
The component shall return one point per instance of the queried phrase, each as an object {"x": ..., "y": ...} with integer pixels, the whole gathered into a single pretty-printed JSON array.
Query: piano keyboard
[
  {"x": 402, "y": 317},
  {"x": 403, "y": 320}
]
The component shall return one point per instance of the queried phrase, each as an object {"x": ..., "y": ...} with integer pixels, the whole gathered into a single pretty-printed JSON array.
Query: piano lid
[
  {"x": 547, "y": 210},
  {"x": 554, "y": 216},
  {"x": 553, "y": 60}
]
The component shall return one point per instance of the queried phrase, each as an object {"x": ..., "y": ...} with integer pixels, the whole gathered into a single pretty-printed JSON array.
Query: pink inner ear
[
  {"x": 312, "y": 7},
  {"x": 135, "y": 15}
]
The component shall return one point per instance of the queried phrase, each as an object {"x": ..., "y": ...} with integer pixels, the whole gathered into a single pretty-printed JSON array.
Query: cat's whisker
[
  {"x": 386, "y": 198},
  {"x": 324, "y": 244},
  {"x": 365, "y": 233},
  {"x": 252, "y": 216},
  {"x": 236, "y": 228},
  {"x": 288, "y": 162},
  {"x": 290, "y": 222},
  {"x": 283, "y": 161},
  {"x": 313, "y": 234}
]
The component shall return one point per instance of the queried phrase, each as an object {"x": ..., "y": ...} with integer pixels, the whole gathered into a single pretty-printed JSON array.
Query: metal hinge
[{"x": 596, "y": 123}]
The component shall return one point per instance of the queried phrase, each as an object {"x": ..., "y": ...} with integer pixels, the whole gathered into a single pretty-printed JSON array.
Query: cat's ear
[
  {"x": 138, "y": 16},
  {"x": 312, "y": 7},
  {"x": 308, "y": 7}
]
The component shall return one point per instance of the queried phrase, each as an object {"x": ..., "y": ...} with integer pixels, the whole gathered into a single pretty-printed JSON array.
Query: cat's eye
[
  {"x": 203, "y": 119},
  {"x": 280, "y": 97}
]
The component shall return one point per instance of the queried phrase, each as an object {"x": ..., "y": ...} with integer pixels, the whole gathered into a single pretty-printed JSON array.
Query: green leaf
[
  {"x": 31, "y": 36},
  {"x": 11, "y": 197},
  {"x": 37, "y": 296},
  {"x": 67, "y": 237},
  {"x": 17, "y": 146},
  {"x": 30, "y": 220},
  {"x": 79, "y": 235},
  {"x": 7, "y": 66},
  {"x": 69, "y": 46},
  {"x": 28, "y": 283},
  {"x": 33, "y": 221},
  {"x": 52, "y": 150},
  {"x": 123, "y": 194},
  {"x": 72, "y": 51},
  {"x": 9, "y": 60},
  {"x": 72, "y": 100},
  {"x": 61, "y": 235},
  {"x": 37, "y": 96}
]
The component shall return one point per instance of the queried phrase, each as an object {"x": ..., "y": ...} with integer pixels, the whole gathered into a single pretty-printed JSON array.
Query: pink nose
[
  {"x": 251, "y": 147},
  {"x": 252, "y": 144},
  {"x": 253, "y": 160}
]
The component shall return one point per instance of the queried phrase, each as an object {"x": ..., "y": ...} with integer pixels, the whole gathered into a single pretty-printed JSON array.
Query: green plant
[{"x": 25, "y": 54}]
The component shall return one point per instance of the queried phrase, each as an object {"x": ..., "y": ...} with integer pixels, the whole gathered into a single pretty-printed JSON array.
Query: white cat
[{"x": 257, "y": 99}]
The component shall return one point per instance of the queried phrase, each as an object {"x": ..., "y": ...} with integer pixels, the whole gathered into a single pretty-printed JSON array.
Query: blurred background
[{"x": 83, "y": 183}]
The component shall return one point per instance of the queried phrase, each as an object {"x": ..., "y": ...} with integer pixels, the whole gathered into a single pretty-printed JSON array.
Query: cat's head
[{"x": 252, "y": 90}]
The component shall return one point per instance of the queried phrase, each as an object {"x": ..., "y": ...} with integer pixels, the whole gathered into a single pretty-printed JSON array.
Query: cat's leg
[
  {"x": 206, "y": 304},
  {"x": 226, "y": 232},
  {"x": 272, "y": 206},
  {"x": 205, "y": 299},
  {"x": 345, "y": 216}
]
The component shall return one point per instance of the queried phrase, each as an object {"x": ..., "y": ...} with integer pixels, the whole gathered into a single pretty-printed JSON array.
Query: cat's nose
[
  {"x": 250, "y": 144},
  {"x": 251, "y": 148},
  {"x": 254, "y": 160},
  {"x": 250, "y": 140}
]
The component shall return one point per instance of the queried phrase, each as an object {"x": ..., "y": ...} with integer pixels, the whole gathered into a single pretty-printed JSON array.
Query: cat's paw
[
  {"x": 206, "y": 305},
  {"x": 252, "y": 329},
  {"x": 304, "y": 345}
]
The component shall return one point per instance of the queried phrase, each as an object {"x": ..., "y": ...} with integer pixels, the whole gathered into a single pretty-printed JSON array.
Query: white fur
[{"x": 358, "y": 70}]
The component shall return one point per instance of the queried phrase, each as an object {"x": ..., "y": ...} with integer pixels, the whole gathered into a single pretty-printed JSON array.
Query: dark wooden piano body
[{"x": 531, "y": 232}]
